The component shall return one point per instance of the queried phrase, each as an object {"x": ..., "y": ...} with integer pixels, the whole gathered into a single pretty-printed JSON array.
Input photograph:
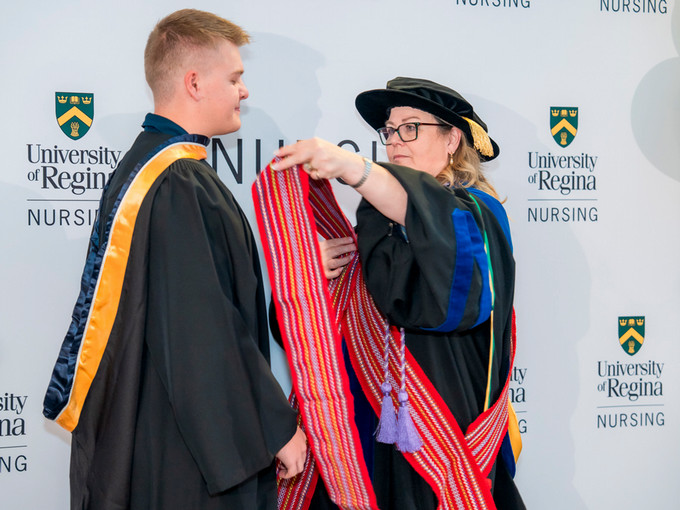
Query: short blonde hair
[{"x": 176, "y": 35}]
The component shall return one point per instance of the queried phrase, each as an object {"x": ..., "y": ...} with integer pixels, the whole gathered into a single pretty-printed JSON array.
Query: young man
[{"x": 164, "y": 376}]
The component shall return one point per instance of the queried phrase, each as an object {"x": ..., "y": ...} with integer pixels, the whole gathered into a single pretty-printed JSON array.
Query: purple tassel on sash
[
  {"x": 408, "y": 439},
  {"x": 387, "y": 426},
  {"x": 392, "y": 429}
]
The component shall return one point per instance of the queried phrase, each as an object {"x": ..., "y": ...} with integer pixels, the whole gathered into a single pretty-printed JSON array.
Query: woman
[{"x": 437, "y": 258}]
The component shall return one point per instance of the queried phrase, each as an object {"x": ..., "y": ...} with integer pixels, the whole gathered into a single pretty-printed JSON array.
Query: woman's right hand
[
  {"x": 321, "y": 160},
  {"x": 335, "y": 255}
]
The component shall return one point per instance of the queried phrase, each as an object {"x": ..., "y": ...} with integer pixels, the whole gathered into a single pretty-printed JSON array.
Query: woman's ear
[{"x": 453, "y": 140}]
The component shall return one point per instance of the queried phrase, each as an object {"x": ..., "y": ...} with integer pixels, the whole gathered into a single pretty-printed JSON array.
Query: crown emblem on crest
[
  {"x": 563, "y": 124},
  {"x": 74, "y": 112},
  {"x": 631, "y": 333}
]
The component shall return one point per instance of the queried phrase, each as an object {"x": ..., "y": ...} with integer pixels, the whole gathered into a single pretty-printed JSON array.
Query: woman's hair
[
  {"x": 176, "y": 36},
  {"x": 465, "y": 167}
]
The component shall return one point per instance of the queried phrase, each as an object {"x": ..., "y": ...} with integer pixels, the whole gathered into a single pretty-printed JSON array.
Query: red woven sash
[
  {"x": 454, "y": 465},
  {"x": 313, "y": 343}
]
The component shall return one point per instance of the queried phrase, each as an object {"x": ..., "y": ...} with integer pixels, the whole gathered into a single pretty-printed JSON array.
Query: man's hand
[{"x": 293, "y": 455}]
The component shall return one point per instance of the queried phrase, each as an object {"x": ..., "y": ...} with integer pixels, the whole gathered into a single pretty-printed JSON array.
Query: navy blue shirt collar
[{"x": 158, "y": 124}]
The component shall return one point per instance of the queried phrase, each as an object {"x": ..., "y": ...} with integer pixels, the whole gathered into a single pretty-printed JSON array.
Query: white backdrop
[{"x": 595, "y": 223}]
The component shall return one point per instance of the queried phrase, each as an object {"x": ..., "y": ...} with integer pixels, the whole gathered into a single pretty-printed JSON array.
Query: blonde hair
[
  {"x": 465, "y": 168},
  {"x": 176, "y": 36}
]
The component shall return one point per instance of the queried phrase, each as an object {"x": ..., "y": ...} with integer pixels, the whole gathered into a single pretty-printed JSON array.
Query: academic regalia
[
  {"x": 411, "y": 272},
  {"x": 184, "y": 411}
]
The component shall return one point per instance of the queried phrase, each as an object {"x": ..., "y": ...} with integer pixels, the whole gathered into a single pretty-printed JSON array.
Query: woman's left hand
[
  {"x": 321, "y": 160},
  {"x": 335, "y": 255}
]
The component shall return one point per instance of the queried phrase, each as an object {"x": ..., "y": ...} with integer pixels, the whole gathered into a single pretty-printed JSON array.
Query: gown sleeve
[
  {"x": 433, "y": 272},
  {"x": 206, "y": 329}
]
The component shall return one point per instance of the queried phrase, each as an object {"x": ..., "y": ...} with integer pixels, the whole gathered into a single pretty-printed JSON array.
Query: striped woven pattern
[
  {"x": 455, "y": 465},
  {"x": 313, "y": 343}
]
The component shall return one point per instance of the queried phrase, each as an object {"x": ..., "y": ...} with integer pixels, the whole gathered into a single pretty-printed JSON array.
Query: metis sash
[
  {"x": 313, "y": 313},
  {"x": 312, "y": 341}
]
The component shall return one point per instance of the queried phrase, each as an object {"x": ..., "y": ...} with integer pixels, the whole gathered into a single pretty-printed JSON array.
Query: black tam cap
[{"x": 431, "y": 97}]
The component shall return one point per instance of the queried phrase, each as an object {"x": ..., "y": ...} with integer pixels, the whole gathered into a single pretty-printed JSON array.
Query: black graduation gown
[
  {"x": 184, "y": 411},
  {"x": 410, "y": 278}
]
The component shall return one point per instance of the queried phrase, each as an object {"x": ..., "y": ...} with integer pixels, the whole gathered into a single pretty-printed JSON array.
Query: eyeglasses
[{"x": 407, "y": 131}]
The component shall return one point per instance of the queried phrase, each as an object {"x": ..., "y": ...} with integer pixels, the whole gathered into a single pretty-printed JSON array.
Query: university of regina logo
[
  {"x": 631, "y": 334},
  {"x": 75, "y": 112},
  {"x": 563, "y": 124}
]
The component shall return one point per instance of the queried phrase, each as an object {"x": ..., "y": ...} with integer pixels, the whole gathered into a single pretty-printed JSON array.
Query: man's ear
[{"x": 191, "y": 85}]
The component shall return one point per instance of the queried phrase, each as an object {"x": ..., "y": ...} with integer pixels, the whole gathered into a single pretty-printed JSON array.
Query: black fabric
[
  {"x": 184, "y": 411},
  {"x": 410, "y": 280},
  {"x": 447, "y": 104}
]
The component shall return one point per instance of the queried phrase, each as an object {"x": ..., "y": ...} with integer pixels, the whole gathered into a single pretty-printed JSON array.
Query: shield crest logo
[
  {"x": 631, "y": 334},
  {"x": 75, "y": 113},
  {"x": 563, "y": 124}
]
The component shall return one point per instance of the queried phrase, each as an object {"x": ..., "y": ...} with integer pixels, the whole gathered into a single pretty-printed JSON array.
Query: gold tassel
[{"x": 481, "y": 139}]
